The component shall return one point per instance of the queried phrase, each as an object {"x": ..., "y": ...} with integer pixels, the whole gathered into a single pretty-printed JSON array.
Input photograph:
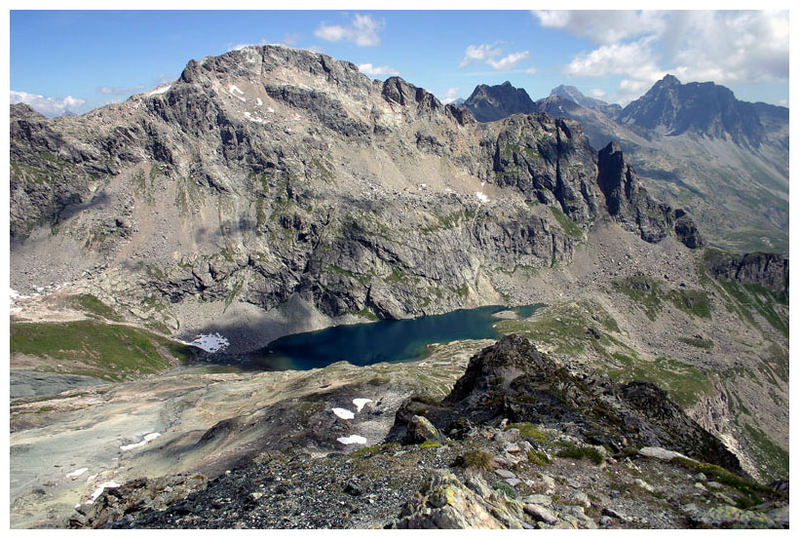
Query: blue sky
[{"x": 77, "y": 60}]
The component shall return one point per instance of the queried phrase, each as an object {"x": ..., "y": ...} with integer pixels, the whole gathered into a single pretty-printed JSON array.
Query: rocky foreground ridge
[
  {"x": 521, "y": 441},
  {"x": 270, "y": 173}
]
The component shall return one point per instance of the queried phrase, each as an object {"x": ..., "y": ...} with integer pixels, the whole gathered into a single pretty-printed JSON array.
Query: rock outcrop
[
  {"x": 768, "y": 270},
  {"x": 630, "y": 204},
  {"x": 513, "y": 380}
]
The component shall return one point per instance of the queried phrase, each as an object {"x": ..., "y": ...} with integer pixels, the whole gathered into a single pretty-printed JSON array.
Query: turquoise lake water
[{"x": 383, "y": 341}]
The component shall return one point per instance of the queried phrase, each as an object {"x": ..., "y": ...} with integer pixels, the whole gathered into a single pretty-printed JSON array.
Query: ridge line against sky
[{"x": 75, "y": 61}]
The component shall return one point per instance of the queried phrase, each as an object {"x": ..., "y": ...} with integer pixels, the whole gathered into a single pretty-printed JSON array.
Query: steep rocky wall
[{"x": 769, "y": 270}]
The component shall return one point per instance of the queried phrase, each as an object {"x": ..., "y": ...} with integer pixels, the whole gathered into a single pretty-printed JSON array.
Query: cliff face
[
  {"x": 630, "y": 204},
  {"x": 269, "y": 173},
  {"x": 767, "y": 270}
]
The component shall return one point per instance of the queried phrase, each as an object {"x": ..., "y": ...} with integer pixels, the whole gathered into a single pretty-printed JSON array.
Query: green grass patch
[
  {"x": 476, "y": 459},
  {"x": 430, "y": 444},
  {"x": 684, "y": 383},
  {"x": 694, "y": 302},
  {"x": 643, "y": 290},
  {"x": 108, "y": 351},
  {"x": 700, "y": 343},
  {"x": 367, "y": 314},
  {"x": 569, "y": 226},
  {"x": 505, "y": 489},
  {"x": 369, "y": 451},
  {"x": 581, "y": 452},
  {"x": 775, "y": 458},
  {"x": 751, "y": 492},
  {"x": 91, "y": 305},
  {"x": 754, "y": 298},
  {"x": 538, "y": 457},
  {"x": 529, "y": 431}
]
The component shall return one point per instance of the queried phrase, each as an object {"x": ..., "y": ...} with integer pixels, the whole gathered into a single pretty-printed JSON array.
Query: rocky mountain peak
[
  {"x": 490, "y": 103},
  {"x": 668, "y": 81},
  {"x": 705, "y": 108}
]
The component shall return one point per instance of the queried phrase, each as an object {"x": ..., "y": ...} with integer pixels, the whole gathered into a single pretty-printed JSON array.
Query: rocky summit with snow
[{"x": 159, "y": 245}]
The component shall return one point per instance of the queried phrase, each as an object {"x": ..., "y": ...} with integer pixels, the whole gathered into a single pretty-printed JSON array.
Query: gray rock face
[
  {"x": 513, "y": 380},
  {"x": 447, "y": 503},
  {"x": 704, "y": 108},
  {"x": 270, "y": 173},
  {"x": 769, "y": 270},
  {"x": 630, "y": 204},
  {"x": 490, "y": 103}
]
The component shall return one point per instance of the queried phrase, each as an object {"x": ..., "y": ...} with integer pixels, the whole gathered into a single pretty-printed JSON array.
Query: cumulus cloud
[
  {"x": 508, "y": 61},
  {"x": 363, "y": 31},
  {"x": 377, "y": 71},
  {"x": 48, "y": 106},
  {"x": 726, "y": 47},
  {"x": 476, "y": 53},
  {"x": 597, "y": 92},
  {"x": 489, "y": 54},
  {"x": 604, "y": 27}
]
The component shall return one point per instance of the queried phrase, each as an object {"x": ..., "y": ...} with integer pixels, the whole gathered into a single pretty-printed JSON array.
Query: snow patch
[
  {"x": 344, "y": 414},
  {"x": 147, "y": 438},
  {"x": 159, "y": 90},
  {"x": 209, "y": 342},
  {"x": 126, "y": 447},
  {"x": 352, "y": 439},
  {"x": 482, "y": 196},
  {"x": 360, "y": 402},
  {"x": 77, "y": 473},
  {"x": 99, "y": 491},
  {"x": 270, "y": 109},
  {"x": 255, "y": 119},
  {"x": 259, "y": 102},
  {"x": 234, "y": 90}
]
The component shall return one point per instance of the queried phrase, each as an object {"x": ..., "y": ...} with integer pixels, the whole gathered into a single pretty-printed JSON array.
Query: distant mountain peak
[
  {"x": 709, "y": 109},
  {"x": 490, "y": 103},
  {"x": 669, "y": 80}
]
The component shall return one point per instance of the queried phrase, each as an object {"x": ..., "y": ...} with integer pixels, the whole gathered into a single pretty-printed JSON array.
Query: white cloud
[
  {"x": 726, "y": 47},
  {"x": 475, "y": 53},
  {"x": 531, "y": 71},
  {"x": 374, "y": 71},
  {"x": 597, "y": 92},
  {"x": 450, "y": 96},
  {"x": 488, "y": 53},
  {"x": 604, "y": 27},
  {"x": 508, "y": 61},
  {"x": 363, "y": 31},
  {"x": 47, "y": 105}
]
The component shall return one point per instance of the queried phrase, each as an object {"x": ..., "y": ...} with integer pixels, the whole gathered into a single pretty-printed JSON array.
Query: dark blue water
[{"x": 383, "y": 341}]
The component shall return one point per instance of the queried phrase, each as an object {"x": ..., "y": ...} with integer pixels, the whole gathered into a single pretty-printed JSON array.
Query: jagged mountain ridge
[
  {"x": 704, "y": 108},
  {"x": 279, "y": 173},
  {"x": 695, "y": 145},
  {"x": 573, "y": 94}
]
